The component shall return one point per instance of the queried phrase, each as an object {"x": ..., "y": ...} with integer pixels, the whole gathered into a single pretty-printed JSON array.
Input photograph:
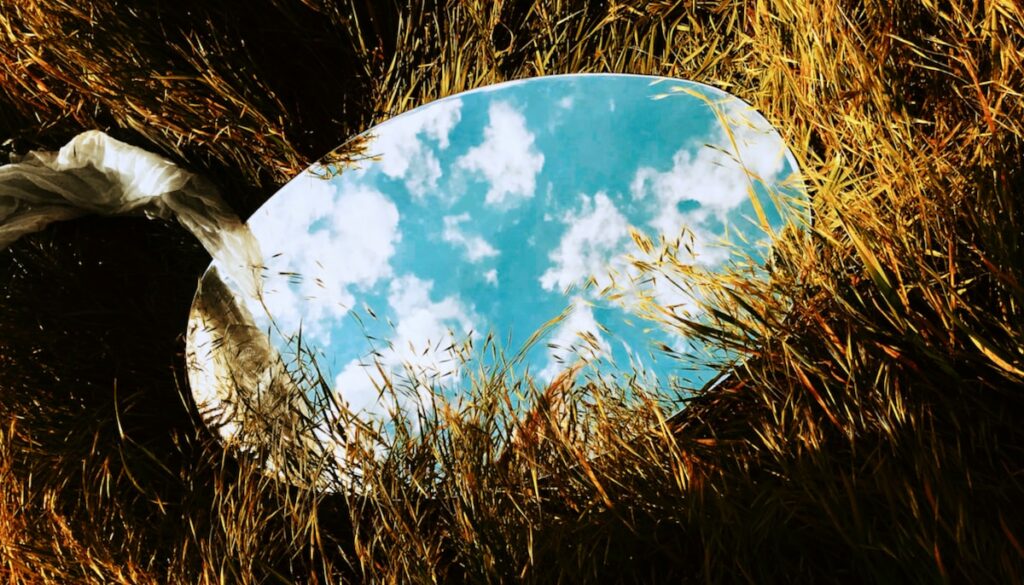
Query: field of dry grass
[{"x": 871, "y": 433}]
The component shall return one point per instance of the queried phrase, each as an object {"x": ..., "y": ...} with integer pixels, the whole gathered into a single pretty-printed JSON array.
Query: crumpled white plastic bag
[{"x": 95, "y": 173}]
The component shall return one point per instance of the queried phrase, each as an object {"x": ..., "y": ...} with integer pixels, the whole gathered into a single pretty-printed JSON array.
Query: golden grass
[{"x": 871, "y": 432}]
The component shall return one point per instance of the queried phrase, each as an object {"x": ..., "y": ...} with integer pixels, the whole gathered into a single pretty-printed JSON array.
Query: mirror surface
[{"x": 479, "y": 218}]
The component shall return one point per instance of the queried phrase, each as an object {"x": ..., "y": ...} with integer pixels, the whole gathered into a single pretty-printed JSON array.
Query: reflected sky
[{"x": 491, "y": 211}]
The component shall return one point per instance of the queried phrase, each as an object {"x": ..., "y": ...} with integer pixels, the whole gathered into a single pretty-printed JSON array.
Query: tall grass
[{"x": 870, "y": 432}]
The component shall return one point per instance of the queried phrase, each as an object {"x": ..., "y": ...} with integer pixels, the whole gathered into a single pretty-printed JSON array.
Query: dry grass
[{"x": 871, "y": 433}]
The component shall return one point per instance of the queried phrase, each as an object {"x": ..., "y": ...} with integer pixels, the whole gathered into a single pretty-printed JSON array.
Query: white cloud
[
  {"x": 404, "y": 155},
  {"x": 444, "y": 116},
  {"x": 491, "y": 276},
  {"x": 579, "y": 335},
  {"x": 645, "y": 176},
  {"x": 365, "y": 232},
  {"x": 556, "y": 116},
  {"x": 475, "y": 247},
  {"x": 506, "y": 158},
  {"x": 594, "y": 242},
  {"x": 420, "y": 345},
  {"x": 309, "y": 272},
  {"x": 717, "y": 177}
]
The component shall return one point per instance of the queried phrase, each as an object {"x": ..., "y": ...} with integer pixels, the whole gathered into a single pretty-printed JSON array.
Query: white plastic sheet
[
  {"x": 240, "y": 384},
  {"x": 95, "y": 173}
]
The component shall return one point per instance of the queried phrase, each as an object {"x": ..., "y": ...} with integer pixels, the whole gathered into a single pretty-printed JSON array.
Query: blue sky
[{"x": 488, "y": 211}]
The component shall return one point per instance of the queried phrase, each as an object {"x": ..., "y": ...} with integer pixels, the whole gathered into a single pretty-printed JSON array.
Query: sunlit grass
[{"x": 870, "y": 430}]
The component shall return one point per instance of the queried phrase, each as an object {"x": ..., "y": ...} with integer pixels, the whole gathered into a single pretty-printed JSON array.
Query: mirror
[{"x": 483, "y": 221}]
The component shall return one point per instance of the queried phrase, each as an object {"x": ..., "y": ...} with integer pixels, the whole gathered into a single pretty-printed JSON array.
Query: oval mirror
[{"x": 509, "y": 217}]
